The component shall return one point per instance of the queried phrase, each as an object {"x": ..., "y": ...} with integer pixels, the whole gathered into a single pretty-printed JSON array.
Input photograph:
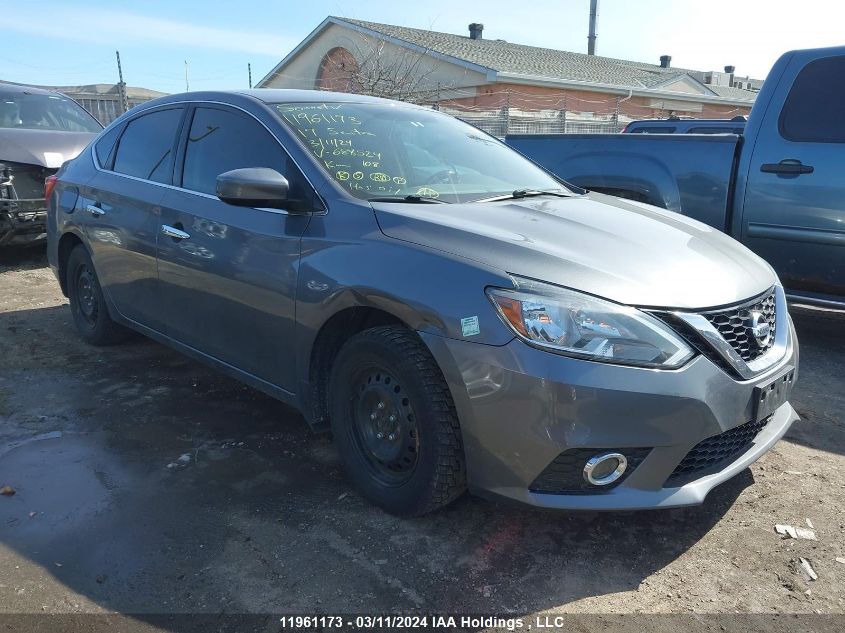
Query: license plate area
[{"x": 771, "y": 395}]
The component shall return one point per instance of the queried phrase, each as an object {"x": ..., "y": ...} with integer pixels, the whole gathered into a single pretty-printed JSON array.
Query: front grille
[
  {"x": 734, "y": 324},
  {"x": 565, "y": 474},
  {"x": 712, "y": 454}
]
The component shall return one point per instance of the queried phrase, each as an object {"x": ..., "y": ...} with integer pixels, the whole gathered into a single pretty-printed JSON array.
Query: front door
[
  {"x": 227, "y": 273},
  {"x": 794, "y": 211}
]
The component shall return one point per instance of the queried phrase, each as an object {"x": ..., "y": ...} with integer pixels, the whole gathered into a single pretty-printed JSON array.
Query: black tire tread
[{"x": 449, "y": 480}]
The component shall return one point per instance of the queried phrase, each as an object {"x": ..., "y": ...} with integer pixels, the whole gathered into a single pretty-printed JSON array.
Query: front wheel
[
  {"x": 87, "y": 303},
  {"x": 395, "y": 424}
]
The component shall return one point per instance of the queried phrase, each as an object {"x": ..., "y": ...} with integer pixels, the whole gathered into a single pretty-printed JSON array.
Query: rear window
[
  {"x": 653, "y": 130},
  {"x": 715, "y": 130},
  {"x": 45, "y": 112},
  {"x": 146, "y": 148},
  {"x": 813, "y": 110}
]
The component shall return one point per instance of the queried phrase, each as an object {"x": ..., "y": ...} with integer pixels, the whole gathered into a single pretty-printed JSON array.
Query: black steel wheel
[
  {"x": 384, "y": 425},
  {"x": 87, "y": 303},
  {"x": 394, "y": 422}
]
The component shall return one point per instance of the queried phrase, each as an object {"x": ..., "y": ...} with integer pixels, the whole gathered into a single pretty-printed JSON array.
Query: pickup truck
[{"x": 779, "y": 188}]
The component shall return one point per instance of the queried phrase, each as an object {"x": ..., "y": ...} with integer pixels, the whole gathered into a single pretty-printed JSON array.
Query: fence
[
  {"x": 105, "y": 107},
  {"x": 503, "y": 121}
]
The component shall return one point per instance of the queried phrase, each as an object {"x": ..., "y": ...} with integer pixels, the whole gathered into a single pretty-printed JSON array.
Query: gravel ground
[{"x": 257, "y": 517}]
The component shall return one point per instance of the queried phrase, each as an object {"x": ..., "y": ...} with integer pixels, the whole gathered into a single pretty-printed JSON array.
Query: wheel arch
[
  {"x": 67, "y": 243},
  {"x": 331, "y": 336}
]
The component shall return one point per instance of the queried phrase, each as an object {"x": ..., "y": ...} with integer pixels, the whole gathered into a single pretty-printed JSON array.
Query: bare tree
[{"x": 371, "y": 66}]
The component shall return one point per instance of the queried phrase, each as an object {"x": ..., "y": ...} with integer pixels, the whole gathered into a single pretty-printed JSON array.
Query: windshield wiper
[
  {"x": 527, "y": 193},
  {"x": 411, "y": 199}
]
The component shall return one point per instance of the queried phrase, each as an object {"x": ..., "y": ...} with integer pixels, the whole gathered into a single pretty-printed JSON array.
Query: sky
[{"x": 73, "y": 42}]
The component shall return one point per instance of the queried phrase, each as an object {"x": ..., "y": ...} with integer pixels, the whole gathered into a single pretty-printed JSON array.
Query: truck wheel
[
  {"x": 395, "y": 424},
  {"x": 87, "y": 304}
]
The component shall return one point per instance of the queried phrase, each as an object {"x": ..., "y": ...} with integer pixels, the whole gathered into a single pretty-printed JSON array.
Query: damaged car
[{"x": 39, "y": 130}]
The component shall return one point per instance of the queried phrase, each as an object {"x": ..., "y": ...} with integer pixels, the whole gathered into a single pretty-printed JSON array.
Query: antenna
[
  {"x": 187, "y": 87},
  {"x": 249, "y": 71}
]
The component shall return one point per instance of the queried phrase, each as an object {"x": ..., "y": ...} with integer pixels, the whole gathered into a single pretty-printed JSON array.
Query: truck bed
[{"x": 691, "y": 174}]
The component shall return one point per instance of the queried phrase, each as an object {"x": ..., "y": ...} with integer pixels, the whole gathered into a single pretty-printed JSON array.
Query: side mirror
[{"x": 255, "y": 187}]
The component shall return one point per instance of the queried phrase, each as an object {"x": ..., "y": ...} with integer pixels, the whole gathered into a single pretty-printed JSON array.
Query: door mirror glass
[{"x": 254, "y": 187}]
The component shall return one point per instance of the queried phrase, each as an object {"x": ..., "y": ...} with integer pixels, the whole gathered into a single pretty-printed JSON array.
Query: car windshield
[
  {"x": 44, "y": 112},
  {"x": 376, "y": 150}
]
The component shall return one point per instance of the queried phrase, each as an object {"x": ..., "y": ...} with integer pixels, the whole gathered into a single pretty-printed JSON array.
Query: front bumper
[
  {"x": 521, "y": 407},
  {"x": 22, "y": 221}
]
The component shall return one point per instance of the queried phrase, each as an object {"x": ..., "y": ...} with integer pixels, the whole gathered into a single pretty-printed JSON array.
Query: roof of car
[
  {"x": 276, "y": 95},
  {"x": 7, "y": 88}
]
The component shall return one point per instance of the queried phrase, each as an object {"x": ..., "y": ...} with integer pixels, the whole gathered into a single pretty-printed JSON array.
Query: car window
[
  {"x": 221, "y": 140},
  {"x": 813, "y": 110},
  {"x": 104, "y": 146},
  {"x": 653, "y": 130},
  {"x": 145, "y": 149},
  {"x": 36, "y": 111},
  {"x": 714, "y": 130}
]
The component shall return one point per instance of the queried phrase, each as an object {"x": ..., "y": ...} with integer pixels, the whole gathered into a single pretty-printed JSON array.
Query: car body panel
[
  {"x": 46, "y": 148},
  {"x": 238, "y": 267},
  {"x": 122, "y": 242},
  {"x": 584, "y": 242},
  {"x": 522, "y": 407}
]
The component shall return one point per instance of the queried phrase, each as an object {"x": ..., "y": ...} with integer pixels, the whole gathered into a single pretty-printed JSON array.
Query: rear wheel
[
  {"x": 87, "y": 303},
  {"x": 395, "y": 424}
]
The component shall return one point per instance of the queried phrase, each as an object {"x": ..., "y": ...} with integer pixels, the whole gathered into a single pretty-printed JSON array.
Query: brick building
[{"x": 504, "y": 86}]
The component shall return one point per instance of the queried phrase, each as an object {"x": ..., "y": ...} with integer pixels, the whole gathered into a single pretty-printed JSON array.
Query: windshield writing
[{"x": 381, "y": 150}]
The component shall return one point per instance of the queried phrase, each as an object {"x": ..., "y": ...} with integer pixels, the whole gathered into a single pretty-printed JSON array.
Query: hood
[
  {"x": 46, "y": 148},
  {"x": 622, "y": 250}
]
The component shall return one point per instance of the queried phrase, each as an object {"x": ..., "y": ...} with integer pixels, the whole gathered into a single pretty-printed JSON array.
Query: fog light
[{"x": 605, "y": 468}]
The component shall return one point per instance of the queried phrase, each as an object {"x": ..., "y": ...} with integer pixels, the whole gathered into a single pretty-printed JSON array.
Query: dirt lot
[{"x": 259, "y": 519}]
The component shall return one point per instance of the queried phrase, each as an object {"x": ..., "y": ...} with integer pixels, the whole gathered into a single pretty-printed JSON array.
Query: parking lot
[{"x": 146, "y": 483}]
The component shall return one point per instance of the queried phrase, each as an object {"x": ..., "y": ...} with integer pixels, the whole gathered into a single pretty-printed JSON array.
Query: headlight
[{"x": 577, "y": 324}]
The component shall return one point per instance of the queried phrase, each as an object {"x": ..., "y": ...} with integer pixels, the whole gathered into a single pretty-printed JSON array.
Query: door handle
[
  {"x": 787, "y": 167},
  {"x": 94, "y": 210},
  {"x": 175, "y": 233}
]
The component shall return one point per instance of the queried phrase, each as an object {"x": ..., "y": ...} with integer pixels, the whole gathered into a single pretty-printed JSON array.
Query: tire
[
  {"x": 87, "y": 303},
  {"x": 409, "y": 464}
]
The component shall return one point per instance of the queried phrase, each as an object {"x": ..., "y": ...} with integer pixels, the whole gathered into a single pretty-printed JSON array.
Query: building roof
[
  {"x": 132, "y": 92},
  {"x": 544, "y": 63}
]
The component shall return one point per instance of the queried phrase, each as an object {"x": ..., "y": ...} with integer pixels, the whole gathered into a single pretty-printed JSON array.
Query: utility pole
[
  {"x": 187, "y": 87},
  {"x": 594, "y": 18},
  {"x": 121, "y": 87},
  {"x": 249, "y": 71}
]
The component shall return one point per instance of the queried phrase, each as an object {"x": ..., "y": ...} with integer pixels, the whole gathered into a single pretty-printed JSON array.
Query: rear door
[
  {"x": 121, "y": 210},
  {"x": 228, "y": 283},
  {"x": 794, "y": 208}
]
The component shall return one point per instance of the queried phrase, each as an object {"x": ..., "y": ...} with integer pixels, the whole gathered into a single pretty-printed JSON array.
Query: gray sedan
[{"x": 455, "y": 315}]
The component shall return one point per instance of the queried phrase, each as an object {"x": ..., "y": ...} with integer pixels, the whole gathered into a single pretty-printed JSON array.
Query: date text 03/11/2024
[{"x": 422, "y": 622}]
